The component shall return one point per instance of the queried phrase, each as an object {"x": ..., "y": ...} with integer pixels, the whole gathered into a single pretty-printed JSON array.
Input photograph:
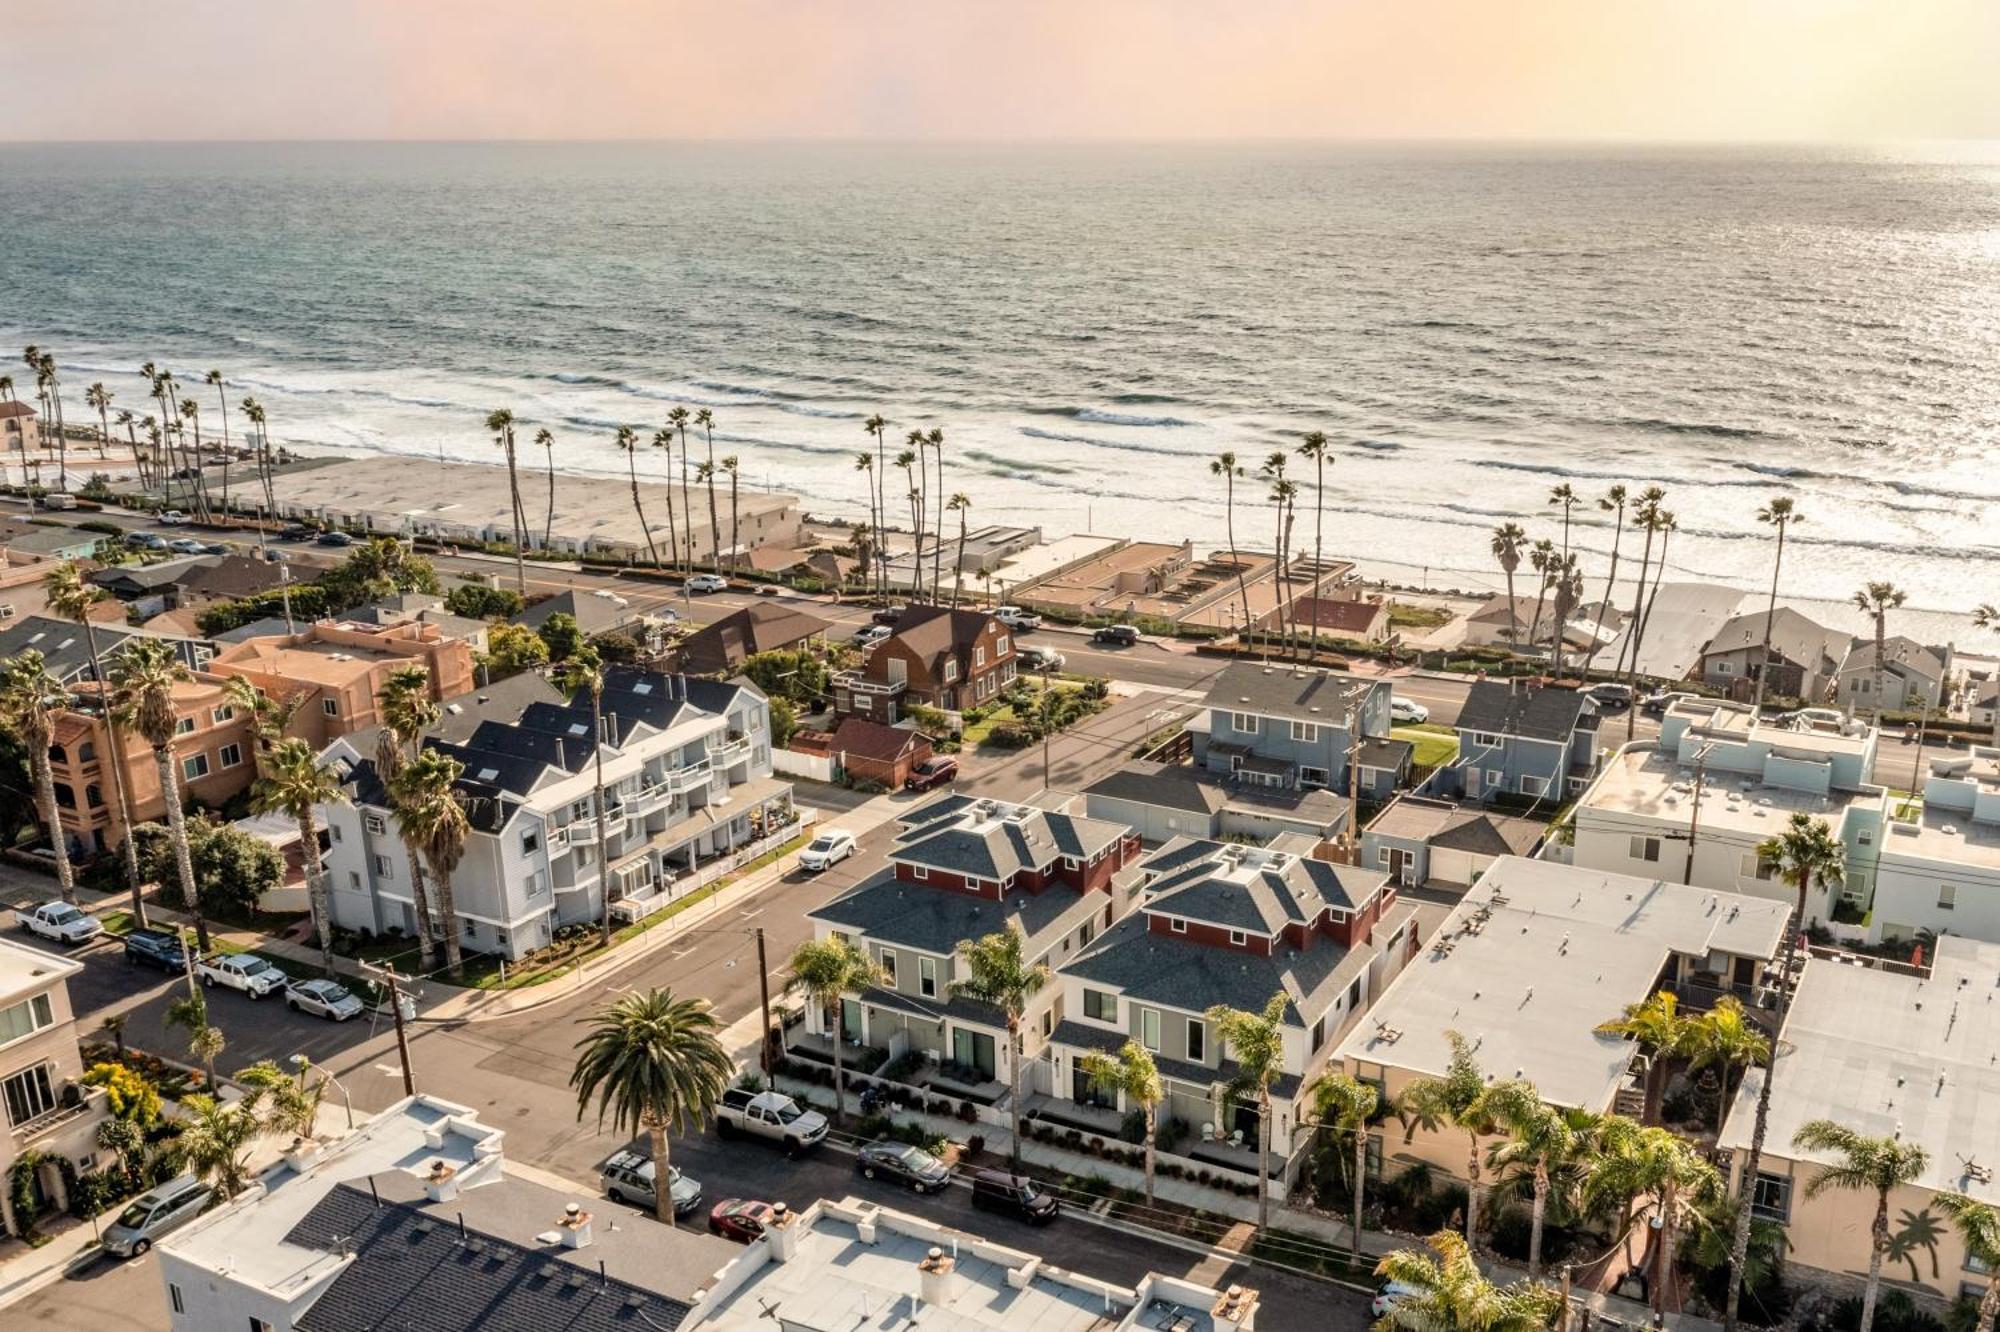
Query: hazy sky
[{"x": 1653, "y": 69}]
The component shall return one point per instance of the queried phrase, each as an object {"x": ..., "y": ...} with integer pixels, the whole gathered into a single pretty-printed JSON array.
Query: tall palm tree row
[
  {"x": 733, "y": 468},
  {"x": 1542, "y": 558},
  {"x": 1346, "y": 1105},
  {"x": 907, "y": 460},
  {"x": 1869, "y": 1165},
  {"x": 1461, "y": 1098},
  {"x": 407, "y": 711},
  {"x": 143, "y": 674},
  {"x": 678, "y": 419},
  {"x": 1780, "y": 514},
  {"x": 654, "y": 1064},
  {"x": 1256, "y": 1041},
  {"x": 627, "y": 440},
  {"x": 663, "y": 440},
  {"x": 98, "y": 398},
  {"x": 71, "y": 597},
  {"x": 1224, "y": 465},
  {"x": 30, "y": 698},
  {"x": 1564, "y": 497},
  {"x": 1313, "y": 447},
  {"x": 214, "y": 377},
  {"x": 260, "y": 425},
  {"x": 998, "y": 973},
  {"x": 936, "y": 440},
  {"x": 429, "y": 813},
  {"x": 706, "y": 474},
  {"x": 826, "y": 971},
  {"x": 1657, "y": 522},
  {"x": 960, "y": 503},
  {"x": 1283, "y": 492},
  {"x": 501, "y": 424},
  {"x": 878, "y": 426},
  {"x": 1878, "y": 599},
  {"x": 546, "y": 438},
  {"x": 292, "y": 782},
  {"x": 49, "y": 383}
]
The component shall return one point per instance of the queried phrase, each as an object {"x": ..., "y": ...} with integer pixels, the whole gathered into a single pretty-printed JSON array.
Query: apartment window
[
  {"x": 93, "y": 796},
  {"x": 1197, "y": 1040},
  {"x": 25, "y": 1018},
  {"x": 222, "y": 714},
  {"x": 1318, "y": 1035},
  {"x": 1645, "y": 848},
  {"x": 1382, "y": 856},
  {"x": 1354, "y": 990},
  {"x": 861, "y": 702},
  {"x": 1772, "y": 1199},
  {"x": 950, "y": 671},
  {"x": 384, "y": 868},
  {"x": 330, "y": 706},
  {"x": 1310, "y": 776},
  {"x": 1000, "y": 646},
  {"x": 174, "y": 1298},
  {"x": 185, "y": 726},
  {"x": 1757, "y": 867},
  {"x": 1307, "y": 732},
  {"x": 889, "y": 965},
  {"x": 1100, "y": 1006},
  {"x": 258, "y": 1325},
  {"x": 978, "y": 657},
  {"x": 927, "y": 977},
  {"x": 85, "y": 752},
  {"x": 920, "y": 872},
  {"x": 1177, "y": 925},
  {"x": 194, "y": 767},
  {"x": 1534, "y": 786},
  {"x": 231, "y": 756},
  {"x": 1245, "y": 722},
  {"x": 1048, "y": 1022},
  {"x": 28, "y": 1093},
  {"x": 333, "y": 832},
  {"x": 1071, "y": 862},
  {"x": 1947, "y": 897},
  {"x": 1086, "y": 933},
  {"x": 354, "y": 880},
  {"x": 1725, "y": 667},
  {"x": 531, "y": 841},
  {"x": 1237, "y": 937},
  {"x": 1486, "y": 739},
  {"x": 1496, "y": 780},
  {"x": 1149, "y": 1029}
]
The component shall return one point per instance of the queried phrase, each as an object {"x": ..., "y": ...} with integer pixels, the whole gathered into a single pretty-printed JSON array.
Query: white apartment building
[
  {"x": 1940, "y": 864},
  {"x": 688, "y": 787}
]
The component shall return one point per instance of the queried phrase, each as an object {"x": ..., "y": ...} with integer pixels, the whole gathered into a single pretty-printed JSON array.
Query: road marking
[
  {"x": 750, "y": 915},
  {"x": 389, "y": 1070}
]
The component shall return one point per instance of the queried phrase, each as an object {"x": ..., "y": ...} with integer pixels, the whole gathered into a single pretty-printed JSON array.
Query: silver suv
[{"x": 154, "y": 1215}]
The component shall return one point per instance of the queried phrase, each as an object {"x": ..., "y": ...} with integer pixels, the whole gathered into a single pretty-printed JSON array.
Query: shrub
[
  {"x": 1894, "y": 1312},
  {"x": 975, "y": 1144},
  {"x": 130, "y": 1094},
  {"x": 968, "y": 1113}
]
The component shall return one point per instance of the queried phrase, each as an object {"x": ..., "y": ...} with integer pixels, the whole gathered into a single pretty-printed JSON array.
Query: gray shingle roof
[
  {"x": 65, "y": 647},
  {"x": 1533, "y": 714},
  {"x": 934, "y": 920},
  {"x": 1167, "y": 785},
  {"x": 991, "y": 840},
  {"x": 1794, "y": 637},
  {"x": 1282, "y": 691},
  {"x": 1245, "y": 888}
]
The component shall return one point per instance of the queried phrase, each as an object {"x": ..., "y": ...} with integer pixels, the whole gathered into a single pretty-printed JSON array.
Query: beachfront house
[
  {"x": 1520, "y": 740},
  {"x": 1804, "y": 656},
  {"x": 938, "y": 657},
  {"x": 1297, "y": 728},
  {"x": 1912, "y": 677},
  {"x": 52, "y": 1118},
  {"x": 1220, "y": 923},
  {"x": 688, "y": 795},
  {"x": 1443, "y": 845},
  {"x": 1499, "y": 622}
]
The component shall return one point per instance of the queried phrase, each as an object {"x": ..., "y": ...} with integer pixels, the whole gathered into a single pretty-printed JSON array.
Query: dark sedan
[{"x": 904, "y": 1163}]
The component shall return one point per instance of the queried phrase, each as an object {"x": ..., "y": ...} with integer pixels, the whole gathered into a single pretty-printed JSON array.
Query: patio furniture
[
  {"x": 1236, "y": 1138},
  {"x": 1208, "y": 1133}
]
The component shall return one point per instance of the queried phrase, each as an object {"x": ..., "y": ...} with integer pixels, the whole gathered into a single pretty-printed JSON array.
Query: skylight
[
  {"x": 488, "y": 774},
  {"x": 643, "y": 687}
]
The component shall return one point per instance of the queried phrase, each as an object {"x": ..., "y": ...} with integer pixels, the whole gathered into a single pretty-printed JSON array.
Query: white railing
[
  {"x": 666, "y": 890},
  {"x": 856, "y": 682}
]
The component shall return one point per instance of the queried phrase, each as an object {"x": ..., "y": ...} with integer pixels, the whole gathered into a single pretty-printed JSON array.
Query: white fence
[{"x": 812, "y": 767}]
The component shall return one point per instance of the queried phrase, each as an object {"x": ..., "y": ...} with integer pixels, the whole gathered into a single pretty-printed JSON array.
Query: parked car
[
  {"x": 155, "y": 1214},
  {"x": 1407, "y": 710},
  {"x": 215, "y": 548},
  {"x": 61, "y": 922},
  {"x": 1610, "y": 695},
  {"x": 903, "y": 1163},
  {"x": 826, "y": 850},
  {"x": 57, "y": 499},
  {"x": 335, "y": 539},
  {"x": 1388, "y": 1295},
  {"x": 147, "y": 541},
  {"x": 607, "y": 594},
  {"x": 771, "y": 1115},
  {"x": 323, "y": 998},
  {"x": 1018, "y": 617},
  {"x": 253, "y": 975},
  {"x": 1657, "y": 702},
  {"x": 1116, "y": 635},
  {"x": 628, "y": 1177},
  {"x": 172, "y": 518},
  {"x": 868, "y": 635},
  {"x": 187, "y": 546},
  {"x": 886, "y": 616},
  {"x": 708, "y": 583},
  {"x": 1015, "y": 1195},
  {"x": 740, "y": 1219},
  {"x": 1036, "y": 659},
  {"x": 155, "y": 948},
  {"x": 931, "y": 773},
  {"x": 297, "y": 532}
]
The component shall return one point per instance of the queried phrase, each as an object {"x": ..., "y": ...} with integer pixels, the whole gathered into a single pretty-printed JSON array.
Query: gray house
[
  {"x": 1805, "y": 655},
  {"x": 1164, "y": 801},
  {"x": 1290, "y": 727},
  {"x": 1519, "y": 740},
  {"x": 1438, "y": 844}
]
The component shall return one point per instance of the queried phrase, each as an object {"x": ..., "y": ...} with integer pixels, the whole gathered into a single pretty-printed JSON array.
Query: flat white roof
[
  {"x": 1045, "y": 558},
  {"x": 1885, "y": 1053},
  {"x": 1535, "y": 956},
  {"x": 25, "y": 970},
  {"x": 1944, "y": 834},
  {"x": 1647, "y": 783}
]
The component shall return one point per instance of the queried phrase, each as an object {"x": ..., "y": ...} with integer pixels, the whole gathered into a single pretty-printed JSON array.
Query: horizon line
[{"x": 808, "y": 140}]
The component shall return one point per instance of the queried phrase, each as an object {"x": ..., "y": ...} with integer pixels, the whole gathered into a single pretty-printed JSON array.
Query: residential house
[
  {"x": 593, "y": 614},
  {"x": 65, "y": 647},
  {"x": 151, "y": 588},
  {"x": 227, "y": 578},
  {"x": 1528, "y": 965},
  {"x": 1438, "y": 844},
  {"x": 963, "y": 868},
  {"x": 1168, "y": 800},
  {"x": 1497, "y": 622},
  {"x": 280, "y": 832},
  {"x": 49, "y": 1111},
  {"x": 1292, "y": 727},
  {"x": 868, "y": 751},
  {"x": 1360, "y": 620},
  {"x": 937, "y": 657},
  {"x": 720, "y": 648},
  {"x": 1805, "y": 656},
  {"x": 1937, "y": 870},
  {"x": 1887, "y": 1051},
  {"x": 688, "y": 796},
  {"x": 40, "y": 541},
  {"x": 423, "y": 608},
  {"x": 1913, "y": 677},
  {"x": 1225, "y": 924},
  {"x": 340, "y": 668},
  {"x": 1518, "y": 739},
  {"x": 1679, "y": 622},
  {"x": 18, "y": 427}
]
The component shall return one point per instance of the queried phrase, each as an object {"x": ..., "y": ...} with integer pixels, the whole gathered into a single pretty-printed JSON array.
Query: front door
[
  {"x": 974, "y": 1049},
  {"x": 1402, "y": 865},
  {"x": 850, "y": 1019},
  {"x": 1085, "y": 1091}
]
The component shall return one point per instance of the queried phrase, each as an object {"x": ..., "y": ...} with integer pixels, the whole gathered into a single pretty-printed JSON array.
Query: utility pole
[
  {"x": 764, "y": 997},
  {"x": 389, "y": 977},
  {"x": 1045, "y": 726},
  {"x": 1694, "y": 812}
]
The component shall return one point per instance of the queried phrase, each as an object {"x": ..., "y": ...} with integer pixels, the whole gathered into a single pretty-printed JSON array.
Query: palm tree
[
  {"x": 1541, "y": 558},
  {"x": 663, "y": 440},
  {"x": 142, "y": 679},
  {"x": 826, "y": 971},
  {"x": 270, "y": 717},
  {"x": 282, "y": 1102},
  {"x": 1346, "y": 1105},
  {"x": 1458, "y": 1099},
  {"x": 1878, "y": 599},
  {"x": 1777, "y": 512},
  {"x": 678, "y": 418},
  {"x": 71, "y": 597},
  {"x": 997, "y": 973},
  {"x": 878, "y": 426},
  {"x": 1803, "y": 854},
  {"x": 214, "y": 1142},
  {"x": 627, "y": 440},
  {"x": 1544, "y": 1142},
  {"x": 205, "y": 1040},
  {"x": 131, "y": 424},
  {"x": 865, "y": 462},
  {"x": 1454, "y": 1296},
  {"x": 733, "y": 467},
  {"x": 1668, "y": 526},
  {"x": 1864, "y": 1165},
  {"x": 99, "y": 397},
  {"x": 190, "y": 412},
  {"x": 959, "y": 503},
  {"x": 1283, "y": 492},
  {"x": 215, "y": 377},
  {"x": 407, "y": 711},
  {"x": 1508, "y": 543},
  {"x": 652, "y": 1063},
  {"x": 501, "y": 423},
  {"x": 1612, "y": 501},
  {"x": 1647, "y": 516},
  {"x": 1664, "y": 1031},
  {"x": 1224, "y": 465},
  {"x": 30, "y": 698},
  {"x": 1134, "y": 1076},
  {"x": 907, "y": 460},
  {"x": 547, "y": 440},
  {"x": 936, "y": 440},
  {"x": 583, "y": 673},
  {"x": 1566, "y": 581},
  {"x": 253, "y": 412},
  {"x": 706, "y": 420},
  {"x": 292, "y": 782},
  {"x": 1566, "y": 497},
  {"x": 1978, "y": 1226},
  {"x": 1257, "y": 1042},
  {"x": 1726, "y": 1038},
  {"x": 429, "y": 813},
  {"x": 45, "y": 372},
  {"x": 1314, "y": 446},
  {"x": 1683, "y": 1184}
]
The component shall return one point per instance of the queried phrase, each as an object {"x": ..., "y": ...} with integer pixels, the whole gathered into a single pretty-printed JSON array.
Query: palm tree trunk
[
  {"x": 1535, "y": 626},
  {"x": 1663, "y": 1274},
  {"x": 45, "y": 795},
  {"x": 673, "y": 532},
  {"x": 454, "y": 958},
  {"x": 663, "y": 1194},
  {"x": 735, "y": 532},
  {"x": 1632, "y": 635},
  {"x": 1229, "y": 520},
  {"x": 839, "y": 1073},
  {"x": 1360, "y": 1179},
  {"x": 549, "y": 522},
  {"x": 1540, "y": 1210},
  {"x": 1610, "y": 587},
  {"x": 603, "y": 830},
  {"x": 1014, "y": 1078},
  {"x": 1881, "y": 660},
  {"x": 958, "y": 571},
  {"x": 170, "y": 795},
  {"x": 882, "y": 508},
  {"x": 632, "y": 472},
  {"x": 1989, "y": 1304},
  {"x": 1152, "y": 1131},
  {"x": 1264, "y": 1159},
  {"x": 1764, "y": 661},
  {"x": 714, "y": 529},
  {"x": 116, "y": 740},
  {"x": 1879, "y": 1245},
  {"x": 520, "y": 528},
  {"x": 1319, "y": 534},
  {"x": 937, "y": 519},
  {"x": 421, "y": 906},
  {"x": 316, "y": 890},
  {"x": 1472, "y": 1193}
]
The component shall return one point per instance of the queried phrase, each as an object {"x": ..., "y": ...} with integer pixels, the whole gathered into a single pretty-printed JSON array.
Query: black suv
[
  {"x": 155, "y": 948},
  {"x": 1116, "y": 635},
  {"x": 1016, "y": 1195}
]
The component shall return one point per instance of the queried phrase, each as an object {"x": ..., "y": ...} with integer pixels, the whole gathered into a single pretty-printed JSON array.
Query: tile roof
[
  {"x": 1527, "y": 712},
  {"x": 1281, "y": 691}
]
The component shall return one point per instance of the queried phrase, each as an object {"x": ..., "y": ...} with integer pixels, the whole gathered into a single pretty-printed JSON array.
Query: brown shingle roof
[
  {"x": 872, "y": 740},
  {"x": 722, "y": 646},
  {"x": 15, "y": 408},
  {"x": 932, "y": 631}
]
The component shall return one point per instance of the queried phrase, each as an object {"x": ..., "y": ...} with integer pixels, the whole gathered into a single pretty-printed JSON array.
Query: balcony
[
  {"x": 51, "y": 1121},
  {"x": 857, "y": 683}
]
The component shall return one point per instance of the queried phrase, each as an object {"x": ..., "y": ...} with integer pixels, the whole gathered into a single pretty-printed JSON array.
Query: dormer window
[
  {"x": 920, "y": 872},
  {"x": 1238, "y": 938}
]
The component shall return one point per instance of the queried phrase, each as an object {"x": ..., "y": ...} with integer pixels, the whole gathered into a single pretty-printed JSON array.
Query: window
[
  {"x": 531, "y": 841},
  {"x": 1307, "y": 732},
  {"x": 1382, "y": 856},
  {"x": 861, "y": 702},
  {"x": 1947, "y": 897},
  {"x": 85, "y": 752},
  {"x": 25, "y": 1018},
  {"x": 1534, "y": 786},
  {"x": 978, "y": 657},
  {"x": 1645, "y": 848},
  {"x": 1048, "y": 1022},
  {"x": 185, "y": 726},
  {"x": 1071, "y": 862},
  {"x": 1245, "y": 722},
  {"x": 194, "y": 767},
  {"x": 1725, "y": 667},
  {"x": 1177, "y": 925},
  {"x": 1319, "y": 1035},
  {"x": 1099, "y": 1006},
  {"x": 1149, "y": 1029},
  {"x": 1085, "y": 934},
  {"x": 889, "y": 965},
  {"x": 920, "y": 872},
  {"x": 1237, "y": 937},
  {"x": 1496, "y": 780},
  {"x": 1000, "y": 646},
  {"x": 1310, "y": 776},
  {"x": 1772, "y": 1199},
  {"x": 93, "y": 796},
  {"x": 330, "y": 706},
  {"x": 29, "y": 1093},
  {"x": 222, "y": 714},
  {"x": 1757, "y": 867},
  {"x": 354, "y": 880},
  {"x": 174, "y": 1298},
  {"x": 374, "y": 824},
  {"x": 231, "y": 756},
  {"x": 1354, "y": 990},
  {"x": 384, "y": 868},
  {"x": 1486, "y": 738},
  {"x": 1197, "y": 1039},
  {"x": 927, "y": 977},
  {"x": 258, "y": 1325}
]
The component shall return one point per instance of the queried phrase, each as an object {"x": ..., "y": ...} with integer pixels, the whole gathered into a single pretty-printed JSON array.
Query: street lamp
[{"x": 301, "y": 1063}]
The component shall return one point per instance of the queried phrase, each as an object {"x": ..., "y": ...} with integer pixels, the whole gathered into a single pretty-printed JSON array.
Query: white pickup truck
[
  {"x": 771, "y": 1115},
  {"x": 62, "y": 922},
  {"x": 247, "y": 972}
]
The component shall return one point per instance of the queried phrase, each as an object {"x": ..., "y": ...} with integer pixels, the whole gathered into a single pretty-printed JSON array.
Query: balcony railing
[
  {"x": 857, "y": 683},
  {"x": 50, "y": 1120}
]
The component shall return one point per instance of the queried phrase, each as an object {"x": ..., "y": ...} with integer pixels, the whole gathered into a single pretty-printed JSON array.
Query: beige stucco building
[
  {"x": 47, "y": 1107},
  {"x": 343, "y": 666}
]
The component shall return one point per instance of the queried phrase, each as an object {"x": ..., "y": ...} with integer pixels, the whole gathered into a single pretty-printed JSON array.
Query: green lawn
[{"x": 1435, "y": 745}]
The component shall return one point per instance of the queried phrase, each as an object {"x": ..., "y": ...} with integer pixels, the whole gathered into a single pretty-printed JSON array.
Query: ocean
[{"x": 1090, "y": 325}]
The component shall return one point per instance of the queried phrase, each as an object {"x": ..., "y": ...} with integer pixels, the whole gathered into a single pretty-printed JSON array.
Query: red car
[
  {"x": 931, "y": 773},
  {"x": 740, "y": 1219}
]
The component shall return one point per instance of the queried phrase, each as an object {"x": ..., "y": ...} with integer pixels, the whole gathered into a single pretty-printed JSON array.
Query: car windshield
[
  {"x": 63, "y": 915},
  {"x": 821, "y": 844},
  {"x": 333, "y": 994},
  {"x": 917, "y": 1159},
  {"x": 1028, "y": 1191},
  {"x": 787, "y": 1111},
  {"x": 136, "y": 1214},
  {"x": 255, "y": 966}
]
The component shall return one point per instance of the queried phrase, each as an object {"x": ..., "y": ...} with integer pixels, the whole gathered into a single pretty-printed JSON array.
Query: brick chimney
[{"x": 783, "y": 1233}]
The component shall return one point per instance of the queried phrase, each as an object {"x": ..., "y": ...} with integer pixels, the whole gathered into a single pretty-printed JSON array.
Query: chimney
[
  {"x": 574, "y": 1228},
  {"x": 441, "y": 1184},
  {"x": 783, "y": 1233},
  {"x": 935, "y": 1277},
  {"x": 1238, "y": 1308}
]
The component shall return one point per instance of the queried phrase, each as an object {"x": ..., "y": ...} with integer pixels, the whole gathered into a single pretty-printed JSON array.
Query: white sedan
[
  {"x": 827, "y": 850},
  {"x": 323, "y": 998},
  {"x": 1408, "y": 710},
  {"x": 708, "y": 583},
  {"x": 173, "y": 518}
]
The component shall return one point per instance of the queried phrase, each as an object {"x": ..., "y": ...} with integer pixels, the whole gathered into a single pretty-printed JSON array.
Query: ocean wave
[
  {"x": 1661, "y": 425},
  {"x": 1060, "y": 437},
  {"x": 1635, "y": 476},
  {"x": 1097, "y": 416},
  {"x": 1016, "y": 466}
]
